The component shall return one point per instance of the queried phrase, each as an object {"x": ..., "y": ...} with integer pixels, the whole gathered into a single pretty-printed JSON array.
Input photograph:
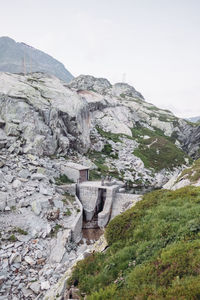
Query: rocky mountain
[
  {"x": 111, "y": 128},
  {"x": 45, "y": 123},
  {"x": 13, "y": 57}
]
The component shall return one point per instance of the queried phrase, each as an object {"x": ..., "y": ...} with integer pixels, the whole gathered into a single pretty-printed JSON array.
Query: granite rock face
[
  {"x": 191, "y": 140},
  {"x": 42, "y": 115},
  {"x": 124, "y": 126},
  {"x": 39, "y": 114}
]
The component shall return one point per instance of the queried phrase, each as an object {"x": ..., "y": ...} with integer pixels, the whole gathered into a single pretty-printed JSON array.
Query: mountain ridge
[{"x": 18, "y": 57}]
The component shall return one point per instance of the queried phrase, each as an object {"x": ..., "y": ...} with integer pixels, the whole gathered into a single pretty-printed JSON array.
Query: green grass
[
  {"x": 17, "y": 230},
  {"x": 193, "y": 173},
  {"x": 158, "y": 151},
  {"x": 20, "y": 231},
  {"x": 153, "y": 253},
  {"x": 12, "y": 238},
  {"x": 55, "y": 230},
  {"x": 165, "y": 118},
  {"x": 115, "y": 137},
  {"x": 63, "y": 179},
  {"x": 99, "y": 159},
  {"x": 154, "y": 108},
  {"x": 108, "y": 151},
  {"x": 67, "y": 212},
  {"x": 94, "y": 175},
  {"x": 139, "y": 132},
  {"x": 68, "y": 197}
]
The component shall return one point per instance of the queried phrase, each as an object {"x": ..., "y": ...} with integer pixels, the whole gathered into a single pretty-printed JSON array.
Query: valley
[{"x": 95, "y": 231}]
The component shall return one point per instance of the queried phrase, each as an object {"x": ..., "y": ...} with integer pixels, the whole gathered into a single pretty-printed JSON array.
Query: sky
[{"x": 153, "y": 45}]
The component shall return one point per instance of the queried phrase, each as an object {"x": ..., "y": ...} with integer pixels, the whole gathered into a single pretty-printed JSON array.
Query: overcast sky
[{"x": 153, "y": 45}]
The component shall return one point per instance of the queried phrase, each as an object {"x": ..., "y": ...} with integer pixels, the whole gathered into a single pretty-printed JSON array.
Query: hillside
[
  {"x": 153, "y": 248},
  {"x": 14, "y": 55},
  {"x": 110, "y": 131},
  {"x": 153, "y": 251},
  {"x": 110, "y": 128},
  {"x": 189, "y": 176}
]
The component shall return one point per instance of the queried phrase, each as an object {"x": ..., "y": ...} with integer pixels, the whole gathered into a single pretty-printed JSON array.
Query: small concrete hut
[{"x": 75, "y": 172}]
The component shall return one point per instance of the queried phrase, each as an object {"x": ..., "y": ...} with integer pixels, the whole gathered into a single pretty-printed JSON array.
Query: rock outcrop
[
  {"x": 42, "y": 115},
  {"x": 189, "y": 176},
  {"x": 110, "y": 125}
]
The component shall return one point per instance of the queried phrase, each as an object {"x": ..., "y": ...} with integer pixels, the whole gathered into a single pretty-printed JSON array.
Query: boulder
[
  {"x": 16, "y": 184},
  {"x": 58, "y": 248},
  {"x": 15, "y": 258},
  {"x": 36, "y": 207},
  {"x": 3, "y": 200},
  {"x": 35, "y": 287},
  {"x": 29, "y": 260},
  {"x": 24, "y": 173},
  {"x": 45, "y": 285}
]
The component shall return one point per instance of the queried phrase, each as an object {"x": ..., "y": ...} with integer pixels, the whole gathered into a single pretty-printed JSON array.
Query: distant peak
[
  {"x": 19, "y": 57},
  {"x": 7, "y": 39}
]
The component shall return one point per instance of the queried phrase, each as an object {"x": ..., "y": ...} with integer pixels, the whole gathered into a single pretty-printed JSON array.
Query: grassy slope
[
  {"x": 154, "y": 251},
  {"x": 157, "y": 152},
  {"x": 192, "y": 173}
]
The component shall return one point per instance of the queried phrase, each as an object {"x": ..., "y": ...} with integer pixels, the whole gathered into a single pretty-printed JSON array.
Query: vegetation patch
[
  {"x": 193, "y": 173},
  {"x": 95, "y": 175},
  {"x": 12, "y": 238},
  {"x": 68, "y": 197},
  {"x": 20, "y": 231},
  {"x": 139, "y": 132},
  {"x": 115, "y": 137},
  {"x": 67, "y": 212},
  {"x": 165, "y": 118},
  {"x": 98, "y": 158},
  {"x": 122, "y": 95},
  {"x": 55, "y": 229},
  {"x": 153, "y": 253},
  {"x": 157, "y": 151},
  {"x": 152, "y": 107},
  {"x": 63, "y": 179},
  {"x": 108, "y": 150}
]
